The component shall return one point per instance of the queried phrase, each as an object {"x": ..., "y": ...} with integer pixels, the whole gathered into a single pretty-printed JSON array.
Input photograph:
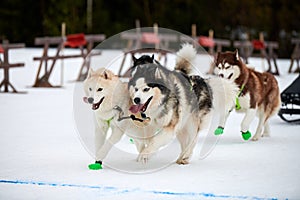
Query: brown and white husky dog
[{"x": 258, "y": 95}]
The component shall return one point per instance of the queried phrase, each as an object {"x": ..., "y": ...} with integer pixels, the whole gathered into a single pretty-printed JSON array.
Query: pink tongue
[
  {"x": 85, "y": 99},
  {"x": 136, "y": 108}
]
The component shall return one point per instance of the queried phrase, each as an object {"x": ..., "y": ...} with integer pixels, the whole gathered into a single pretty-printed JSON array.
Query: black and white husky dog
[{"x": 178, "y": 103}]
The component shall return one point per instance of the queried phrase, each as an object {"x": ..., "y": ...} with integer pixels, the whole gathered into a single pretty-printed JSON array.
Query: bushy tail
[
  {"x": 224, "y": 93},
  {"x": 273, "y": 99},
  {"x": 185, "y": 58}
]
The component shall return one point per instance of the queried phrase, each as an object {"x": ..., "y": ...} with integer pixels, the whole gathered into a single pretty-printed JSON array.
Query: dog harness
[
  {"x": 237, "y": 102},
  {"x": 108, "y": 121},
  {"x": 132, "y": 117}
]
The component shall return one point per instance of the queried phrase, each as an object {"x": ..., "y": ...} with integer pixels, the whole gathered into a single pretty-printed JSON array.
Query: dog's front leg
[
  {"x": 161, "y": 139},
  {"x": 250, "y": 114},
  {"x": 112, "y": 140},
  {"x": 101, "y": 129},
  {"x": 139, "y": 144}
]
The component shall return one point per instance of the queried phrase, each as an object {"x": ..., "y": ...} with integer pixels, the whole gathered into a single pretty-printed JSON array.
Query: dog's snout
[
  {"x": 137, "y": 100},
  {"x": 221, "y": 75},
  {"x": 90, "y": 100}
]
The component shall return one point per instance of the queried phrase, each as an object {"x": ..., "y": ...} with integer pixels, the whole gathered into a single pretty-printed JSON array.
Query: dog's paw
[
  {"x": 143, "y": 158},
  {"x": 182, "y": 161},
  {"x": 219, "y": 131},
  {"x": 246, "y": 135},
  {"x": 256, "y": 137},
  {"x": 266, "y": 135},
  {"x": 95, "y": 166}
]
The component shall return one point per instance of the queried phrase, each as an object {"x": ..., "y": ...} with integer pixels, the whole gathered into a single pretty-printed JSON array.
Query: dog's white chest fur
[{"x": 244, "y": 102}]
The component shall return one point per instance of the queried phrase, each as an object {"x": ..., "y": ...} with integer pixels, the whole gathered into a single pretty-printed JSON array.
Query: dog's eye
[
  {"x": 136, "y": 89},
  {"x": 90, "y": 89},
  {"x": 227, "y": 65},
  {"x": 146, "y": 89},
  {"x": 99, "y": 89}
]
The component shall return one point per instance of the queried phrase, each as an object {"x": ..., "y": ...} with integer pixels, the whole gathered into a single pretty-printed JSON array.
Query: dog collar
[{"x": 237, "y": 102}]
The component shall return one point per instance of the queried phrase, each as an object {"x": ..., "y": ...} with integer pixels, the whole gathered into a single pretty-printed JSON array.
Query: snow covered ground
[{"x": 43, "y": 157}]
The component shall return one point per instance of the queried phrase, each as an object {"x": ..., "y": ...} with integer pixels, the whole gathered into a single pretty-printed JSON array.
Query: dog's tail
[
  {"x": 224, "y": 93},
  {"x": 185, "y": 56}
]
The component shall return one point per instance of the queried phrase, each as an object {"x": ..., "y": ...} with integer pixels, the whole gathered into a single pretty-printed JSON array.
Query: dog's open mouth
[
  {"x": 95, "y": 106},
  {"x": 140, "y": 107},
  {"x": 229, "y": 77}
]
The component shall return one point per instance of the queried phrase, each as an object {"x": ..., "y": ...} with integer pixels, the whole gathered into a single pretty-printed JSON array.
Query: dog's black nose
[
  {"x": 221, "y": 75},
  {"x": 90, "y": 100},
  {"x": 137, "y": 100}
]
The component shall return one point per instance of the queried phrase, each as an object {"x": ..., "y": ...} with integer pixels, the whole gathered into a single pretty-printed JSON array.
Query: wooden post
[
  {"x": 211, "y": 36},
  {"x": 138, "y": 32},
  {"x": 194, "y": 30},
  {"x": 63, "y": 35},
  {"x": 89, "y": 15},
  {"x": 211, "y": 52},
  {"x": 194, "y": 35},
  {"x": 155, "y": 30},
  {"x": 211, "y": 33},
  {"x": 261, "y": 38}
]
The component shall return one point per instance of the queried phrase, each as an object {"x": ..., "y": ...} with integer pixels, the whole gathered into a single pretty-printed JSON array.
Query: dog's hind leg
[
  {"x": 260, "y": 126},
  {"x": 187, "y": 147},
  {"x": 266, "y": 132},
  {"x": 188, "y": 139}
]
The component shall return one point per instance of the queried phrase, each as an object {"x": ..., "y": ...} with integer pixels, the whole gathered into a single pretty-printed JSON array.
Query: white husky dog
[{"x": 104, "y": 91}]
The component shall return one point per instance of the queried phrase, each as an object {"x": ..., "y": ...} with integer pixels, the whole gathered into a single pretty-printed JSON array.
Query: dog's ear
[
  {"x": 91, "y": 72},
  {"x": 134, "y": 59},
  {"x": 107, "y": 74},
  {"x": 158, "y": 73},
  {"x": 133, "y": 70},
  {"x": 236, "y": 53},
  {"x": 217, "y": 56}
]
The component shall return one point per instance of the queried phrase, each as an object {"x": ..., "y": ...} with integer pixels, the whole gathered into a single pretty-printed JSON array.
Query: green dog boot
[
  {"x": 131, "y": 141},
  {"x": 96, "y": 166},
  {"x": 246, "y": 135},
  {"x": 219, "y": 131}
]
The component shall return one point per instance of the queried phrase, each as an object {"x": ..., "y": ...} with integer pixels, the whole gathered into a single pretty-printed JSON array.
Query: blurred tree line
[{"x": 22, "y": 21}]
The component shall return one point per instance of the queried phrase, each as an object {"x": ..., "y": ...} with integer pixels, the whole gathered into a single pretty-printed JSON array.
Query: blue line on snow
[{"x": 124, "y": 191}]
